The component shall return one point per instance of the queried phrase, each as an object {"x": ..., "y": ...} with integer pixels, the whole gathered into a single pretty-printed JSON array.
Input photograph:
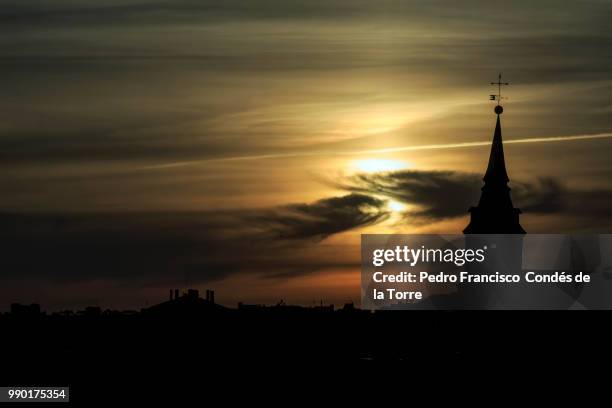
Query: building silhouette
[
  {"x": 25, "y": 310},
  {"x": 495, "y": 213},
  {"x": 494, "y": 223},
  {"x": 187, "y": 303}
]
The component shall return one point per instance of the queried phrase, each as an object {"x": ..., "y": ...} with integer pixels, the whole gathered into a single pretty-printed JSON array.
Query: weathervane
[{"x": 497, "y": 97}]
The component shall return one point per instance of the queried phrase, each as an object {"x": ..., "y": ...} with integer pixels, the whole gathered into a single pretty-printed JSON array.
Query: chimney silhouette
[
  {"x": 212, "y": 296},
  {"x": 176, "y": 294}
]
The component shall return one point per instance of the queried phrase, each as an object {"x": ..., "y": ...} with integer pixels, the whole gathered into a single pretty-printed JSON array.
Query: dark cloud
[
  {"x": 463, "y": 43},
  {"x": 324, "y": 217},
  {"x": 474, "y": 11},
  {"x": 200, "y": 246},
  {"x": 546, "y": 195},
  {"x": 447, "y": 194},
  {"x": 593, "y": 204},
  {"x": 438, "y": 194}
]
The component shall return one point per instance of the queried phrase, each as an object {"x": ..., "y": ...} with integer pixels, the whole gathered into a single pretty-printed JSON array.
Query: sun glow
[
  {"x": 396, "y": 206},
  {"x": 378, "y": 165}
]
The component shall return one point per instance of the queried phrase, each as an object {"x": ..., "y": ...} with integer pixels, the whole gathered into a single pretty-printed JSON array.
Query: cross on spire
[{"x": 497, "y": 97}]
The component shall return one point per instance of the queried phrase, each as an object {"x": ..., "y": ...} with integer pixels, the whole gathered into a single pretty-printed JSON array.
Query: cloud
[
  {"x": 158, "y": 249},
  {"x": 546, "y": 195},
  {"x": 428, "y": 190},
  {"x": 199, "y": 246},
  {"x": 145, "y": 80},
  {"x": 324, "y": 217},
  {"x": 438, "y": 195}
]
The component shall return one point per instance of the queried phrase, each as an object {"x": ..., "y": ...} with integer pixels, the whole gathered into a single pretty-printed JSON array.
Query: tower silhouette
[{"x": 495, "y": 213}]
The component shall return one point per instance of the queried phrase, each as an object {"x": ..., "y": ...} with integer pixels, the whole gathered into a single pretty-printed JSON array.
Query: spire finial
[{"x": 498, "y": 97}]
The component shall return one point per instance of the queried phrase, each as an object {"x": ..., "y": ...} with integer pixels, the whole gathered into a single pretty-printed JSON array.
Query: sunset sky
[{"x": 244, "y": 145}]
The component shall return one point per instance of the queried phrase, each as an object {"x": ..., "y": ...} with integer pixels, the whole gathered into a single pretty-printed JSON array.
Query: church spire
[
  {"x": 495, "y": 213},
  {"x": 496, "y": 170}
]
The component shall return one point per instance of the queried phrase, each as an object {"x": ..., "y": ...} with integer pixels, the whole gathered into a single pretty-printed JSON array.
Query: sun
[
  {"x": 378, "y": 165},
  {"x": 396, "y": 206}
]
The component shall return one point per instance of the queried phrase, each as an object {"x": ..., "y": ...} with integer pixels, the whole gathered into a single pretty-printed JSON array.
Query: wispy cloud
[
  {"x": 324, "y": 217},
  {"x": 437, "y": 195},
  {"x": 440, "y": 146}
]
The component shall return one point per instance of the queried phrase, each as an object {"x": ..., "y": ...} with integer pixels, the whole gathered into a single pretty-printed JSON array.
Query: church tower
[{"x": 495, "y": 213}]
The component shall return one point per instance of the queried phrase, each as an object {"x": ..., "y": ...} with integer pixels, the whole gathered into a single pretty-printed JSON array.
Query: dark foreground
[
  {"x": 109, "y": 351},
  {"x": 189, "y": 345}
]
